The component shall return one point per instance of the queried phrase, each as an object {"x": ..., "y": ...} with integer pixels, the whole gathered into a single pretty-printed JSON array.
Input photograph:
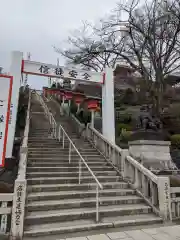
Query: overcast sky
[{"x": 35, "y": 25}]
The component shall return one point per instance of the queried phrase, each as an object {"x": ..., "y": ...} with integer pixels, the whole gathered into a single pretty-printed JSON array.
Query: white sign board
[
  {"x": 17, "y": 219},
  {"x": 5, "y": 105},
  {"x": 49, "y": 70},
  {"x": 15, "y": 71}
]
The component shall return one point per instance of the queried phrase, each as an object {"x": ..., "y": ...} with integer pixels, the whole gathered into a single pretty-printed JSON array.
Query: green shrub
[
  {"x": 125, "y": 136},
  {"x": 73, "y": 108},
  {"x": 175, "y": 140},
  {"x": 124, "y": 126},
  {"x": 125, "y": 118},
  {"x": 121, "y": 108}
]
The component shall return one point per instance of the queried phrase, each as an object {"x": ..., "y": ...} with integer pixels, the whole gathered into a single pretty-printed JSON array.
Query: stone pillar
[
  {"x": 92, "y": 118},
  {"x": 108, "y": 121},
  {"x": 15, "y": 71},
  {"x": 124, "y": 154},
  {"x": 18, "y": 209},
  {"x": 164, "y": 198}
]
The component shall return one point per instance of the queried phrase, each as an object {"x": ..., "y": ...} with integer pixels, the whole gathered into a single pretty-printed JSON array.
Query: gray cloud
[{"x": 35, "y": 25}]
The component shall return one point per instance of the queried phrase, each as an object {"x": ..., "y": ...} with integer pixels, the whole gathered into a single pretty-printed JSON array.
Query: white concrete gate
[{"x": 20, "y": 67}]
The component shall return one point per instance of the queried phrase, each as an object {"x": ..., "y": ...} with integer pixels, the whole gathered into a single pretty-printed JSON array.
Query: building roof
[{"x": 123, "y": 79}]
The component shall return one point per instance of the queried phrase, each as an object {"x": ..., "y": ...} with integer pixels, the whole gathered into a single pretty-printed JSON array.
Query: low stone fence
[
  {"x": 154, "y": 189},
  {"x": 175, "y": 202},
  {"x": 6, "y": 200}
]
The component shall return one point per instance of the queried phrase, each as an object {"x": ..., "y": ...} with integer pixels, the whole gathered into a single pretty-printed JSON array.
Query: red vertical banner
[{"x": 6, "y": 83}]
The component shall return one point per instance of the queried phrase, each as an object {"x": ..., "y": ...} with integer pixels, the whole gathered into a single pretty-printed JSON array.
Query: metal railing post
[
  {"x": 80, "y": 171},
  {"x": 97, "y": 203},
  {"x": 59, "y": 135},
  {"x": 63, "y": 138},
  {"x": 69, "y": 152},
  {"x": 55, "y": 129}
]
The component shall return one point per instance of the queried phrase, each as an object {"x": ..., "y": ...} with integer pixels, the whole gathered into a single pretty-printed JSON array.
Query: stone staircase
[{"x": 57, "y": 204}]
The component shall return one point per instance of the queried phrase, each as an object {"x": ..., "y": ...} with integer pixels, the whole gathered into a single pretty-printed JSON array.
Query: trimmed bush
[{"x": 175, "y": 140}]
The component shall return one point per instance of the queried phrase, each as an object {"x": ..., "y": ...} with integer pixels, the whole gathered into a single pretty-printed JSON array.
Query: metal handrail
[
  {"x": 53, "y": 122},
  {"x": 71, "y": 146}
]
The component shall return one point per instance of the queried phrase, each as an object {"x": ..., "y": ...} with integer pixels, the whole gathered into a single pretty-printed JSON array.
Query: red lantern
[
  {"x": 79, "y": 97},
  {"x": 92, "y": 104},
  {"x": 62, "y": 93},
  {"x": 68, "y": 95},
  {"x": 78, "y": 100}
]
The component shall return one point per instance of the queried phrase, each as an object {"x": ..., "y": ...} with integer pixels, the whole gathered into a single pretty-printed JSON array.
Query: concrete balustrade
[
  {"x": 175, "y": 202},
  {"x": 154, "y": 189},
  {"x": 19, "y": 196}
]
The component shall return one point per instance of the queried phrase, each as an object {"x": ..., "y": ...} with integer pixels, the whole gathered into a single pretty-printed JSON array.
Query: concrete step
[
  {"x": 44, "y": 145},
  {"x": 70, "y": 174},
  {"x": 37, "y": 217},
  {"x": 65, "y": 159},
  {"x": 59, "y": 148},
  {"x": 56, "y": 145},
  {"x": 84, "y": 179},
  {"x": 69, "y": 227},
  {"x": 82, "y": 202},
  {"x": 42, "y": 131},
  {"x": 40, "y": 135},
  {"x": 44, "y": 138},
  {"x": 44, "y": 163},
  {"x": 56, "y": 155},
  {"x": 67, "y": 169},
  {"x": 89, "y": 225},
  {"x": 42, "y": 141},
  {"x": 38, "y": 132},
  {"x": 44, "y": 196},
  {"x": 74, "y": 187}
]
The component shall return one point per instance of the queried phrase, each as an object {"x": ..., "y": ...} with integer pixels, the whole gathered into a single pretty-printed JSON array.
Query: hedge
[{"x": 175, "y": 140}]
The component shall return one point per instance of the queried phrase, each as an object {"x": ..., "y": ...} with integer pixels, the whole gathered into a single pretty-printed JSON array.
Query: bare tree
[
  {"x": 148, "y": 40},
  {"x": 152, "y": 42},
  {"x": 88, "y": 49}
]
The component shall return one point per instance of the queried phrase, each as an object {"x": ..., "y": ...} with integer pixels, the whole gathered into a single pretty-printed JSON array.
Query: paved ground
[{"x": 161, "y": 233}]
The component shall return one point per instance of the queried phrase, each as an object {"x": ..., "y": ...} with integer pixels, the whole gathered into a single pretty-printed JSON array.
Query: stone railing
[
  {"x": 175, "y": 202},
  {"x": 154, "y": 189},
  {"x": 19, "y": 196}
]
